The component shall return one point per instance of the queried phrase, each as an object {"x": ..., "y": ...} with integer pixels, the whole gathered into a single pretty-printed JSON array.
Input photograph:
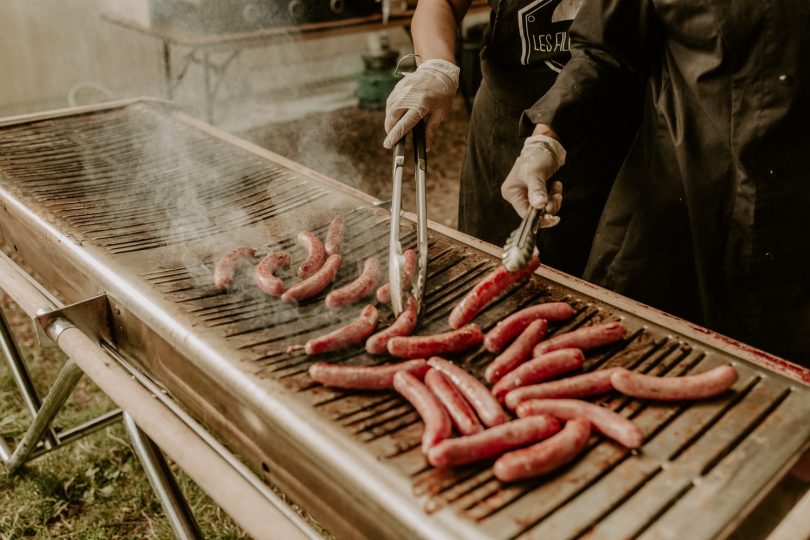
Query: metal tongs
[
  {"x": 396, "y": 261},
  {"x": 520, "y": 245}
]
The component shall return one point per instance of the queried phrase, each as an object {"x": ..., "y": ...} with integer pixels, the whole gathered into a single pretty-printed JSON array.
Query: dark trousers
[{"x": 493, "y": 145}]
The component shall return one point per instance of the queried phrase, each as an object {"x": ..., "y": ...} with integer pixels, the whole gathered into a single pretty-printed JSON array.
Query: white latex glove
[
  {"x": 525, "y": 185},
  {"x": 426, "y": 93}
]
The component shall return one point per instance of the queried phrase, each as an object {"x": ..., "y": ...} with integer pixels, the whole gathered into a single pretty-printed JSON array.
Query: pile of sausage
[
  {"x": 553, "y": 423},
  {"x": 316, "y": 272},
  {"x": 528, "y": 377}
]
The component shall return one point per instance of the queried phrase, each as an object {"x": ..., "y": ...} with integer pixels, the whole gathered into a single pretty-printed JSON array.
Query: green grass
[{"x": 94, "y": 488}]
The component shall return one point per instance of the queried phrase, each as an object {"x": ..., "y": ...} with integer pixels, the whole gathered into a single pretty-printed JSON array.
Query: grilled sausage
[
  {"x": 225, "y": 269},
  {"x": 460, "y": 411},
  {"x": 539, "y": 369},
  {"x": 384, "y": 292},
  {"x": 489, "y": 411},
  {"x": 607, "y": 422},
  {"x": 403, "y": 326},
  {"x": 545, "y": 456},
  {"x": 263, "y": 276},
  {"x": 446, "y": 343},
  {"x": 364, "y": 377},
  {"x": 437, "y": 422},
  {"x": 517, "y": 352},
  {"x": 357, "y": 289},
  {"x": 587, "y": 337},
  {"x": 334, "y": 236},
  {"x": 579, "y": 386},
  {"x": 704, "y": 385},
  {"x": 489, "y": 288},
  {"x": 315, "y": 254},
  {"x": 492, "y": 442},
  {"x": 345, "y": 336},
  {"x": 314, "y": 283},
  {"x": 503, "y": 332}
]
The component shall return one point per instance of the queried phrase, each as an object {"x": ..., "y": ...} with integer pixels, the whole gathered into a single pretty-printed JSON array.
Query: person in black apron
[
  {"x": 707, "y": 219},
  {"x": 525, "y": 45}
]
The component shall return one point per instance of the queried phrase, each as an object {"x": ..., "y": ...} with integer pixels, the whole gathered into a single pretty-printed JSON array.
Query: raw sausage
[
  {"x": 545, "y": 456},
  {"x": 617, "y": 427},
  {"x": 539, "y": 369},
  {"x": 314, "y": 283},
  {"x": 584, "y": 338},
  {"x": 384, "y": 292},
  {"x": 263, "y": 276},
  {"x": 517, "y": 352},
  {"x": 437, "y": 422},
  {"x": 704, "y": 385},
  {"x": 403, "y": 326},
  {"x": 493, "y": 441},
  {"x": 315, "y": 254},
  {"x": 579, "y": 386},
  {"x": 503, "y": 332},
  {"x": 334, "y": 236},
  {"x": 225, "y": 269},
  {"x": 357, "y": 289},
  {"x": 364, "y": 377},
  {"x": 345, "y": 336},
  {"x": 461, "y": 413},
  {"x": 489, "y": 411},
  {"x": 489, "y": 288},
  {"x": 446, "y": 343}
]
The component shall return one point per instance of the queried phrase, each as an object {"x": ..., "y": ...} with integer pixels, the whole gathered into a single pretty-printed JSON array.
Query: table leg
[
  {"x": 209, "y": 106},
  {"x": 167, "y": 69}
]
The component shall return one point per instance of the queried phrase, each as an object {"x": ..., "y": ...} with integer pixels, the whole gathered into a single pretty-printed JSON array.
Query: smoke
[{"x": 185, "y": 194}]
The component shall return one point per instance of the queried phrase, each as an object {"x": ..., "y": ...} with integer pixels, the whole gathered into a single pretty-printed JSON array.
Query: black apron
[
  {"x": 708, "y": 218},
  {"x": 525, "y": 45}
]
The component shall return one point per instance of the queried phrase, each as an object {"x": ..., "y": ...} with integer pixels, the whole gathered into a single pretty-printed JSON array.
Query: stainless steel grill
[{"x": 137, "y": 200}]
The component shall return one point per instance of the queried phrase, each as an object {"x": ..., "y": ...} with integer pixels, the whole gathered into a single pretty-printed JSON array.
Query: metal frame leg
[
  {"x": 11, "y": 353},
  {"x": 163, "y": 483},
  {"x": 40, "y": 438},
  {"x": 63, "y": 386}
]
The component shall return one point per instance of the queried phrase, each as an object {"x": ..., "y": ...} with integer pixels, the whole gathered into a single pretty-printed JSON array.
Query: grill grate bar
[
  {"x": 228, "y": 207},
  {"x": 129, "y": 213},
  {"x": 250, "y": 219}
]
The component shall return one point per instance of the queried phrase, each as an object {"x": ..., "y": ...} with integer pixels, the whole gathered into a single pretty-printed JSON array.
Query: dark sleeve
[{"x": 614, "y": 45}]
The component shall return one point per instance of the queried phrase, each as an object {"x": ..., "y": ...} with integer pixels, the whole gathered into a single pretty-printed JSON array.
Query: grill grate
[
  {"x": 107, "y": 178},
  {"x": 122, "y": 179}
]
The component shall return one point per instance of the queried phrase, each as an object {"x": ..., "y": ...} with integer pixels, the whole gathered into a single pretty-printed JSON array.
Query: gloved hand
[
  {"x": 525, "y": 185},
  {"x": 426, "y": 93}
]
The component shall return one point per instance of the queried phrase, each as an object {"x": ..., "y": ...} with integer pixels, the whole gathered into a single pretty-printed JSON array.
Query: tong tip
[
  {"x": 514, "y": 259},
  {"x": 516, "y": 254}
]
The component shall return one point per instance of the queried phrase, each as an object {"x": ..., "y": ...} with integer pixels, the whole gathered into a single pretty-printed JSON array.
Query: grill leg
[
  {"x": 163, "y": 483},
  {"x": 65, "y": 383},
  {"x": 12, "y": 356}
]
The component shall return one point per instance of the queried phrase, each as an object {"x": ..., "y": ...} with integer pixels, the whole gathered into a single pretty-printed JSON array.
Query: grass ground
[{"x": 94, "y": 488}]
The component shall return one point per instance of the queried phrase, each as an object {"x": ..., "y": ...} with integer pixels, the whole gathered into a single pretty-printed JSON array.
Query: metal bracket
[{"x": 91, "y": 316}]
